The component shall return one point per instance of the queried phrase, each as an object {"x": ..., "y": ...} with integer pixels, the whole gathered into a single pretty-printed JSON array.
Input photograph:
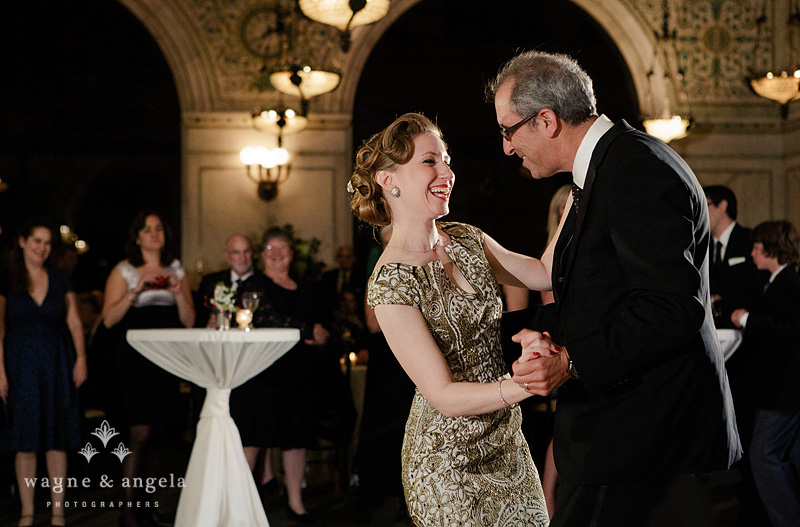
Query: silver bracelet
[{"x": 500, "y": 390}]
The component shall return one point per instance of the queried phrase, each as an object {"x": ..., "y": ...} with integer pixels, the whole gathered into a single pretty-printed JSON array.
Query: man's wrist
[{"x": 571, "y": 371}]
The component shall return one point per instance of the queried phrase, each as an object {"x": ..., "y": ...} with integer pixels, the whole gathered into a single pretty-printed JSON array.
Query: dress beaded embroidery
[{"x": 471, "y": 470}]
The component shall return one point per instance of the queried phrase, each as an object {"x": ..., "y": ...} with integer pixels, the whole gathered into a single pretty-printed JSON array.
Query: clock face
[{"x": 261, "y": 34}]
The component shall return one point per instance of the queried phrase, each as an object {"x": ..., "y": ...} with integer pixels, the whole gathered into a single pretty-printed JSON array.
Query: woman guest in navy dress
[
  {"x": 42, "y": 363},
  {"x": 148, "y": 290}
]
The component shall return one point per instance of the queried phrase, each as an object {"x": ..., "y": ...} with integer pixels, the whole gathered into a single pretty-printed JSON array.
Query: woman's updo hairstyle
[{"x": 387, "y": 149}]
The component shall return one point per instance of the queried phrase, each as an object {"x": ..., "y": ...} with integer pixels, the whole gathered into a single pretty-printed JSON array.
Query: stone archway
[
  {"x": 183, "y": 49},
  {"x": 627, "y": 30},
  {"x": 188, "y": 55}
]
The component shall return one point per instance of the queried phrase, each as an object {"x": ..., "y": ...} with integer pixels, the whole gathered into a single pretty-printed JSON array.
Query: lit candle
[{"x": 243, "y": 318}]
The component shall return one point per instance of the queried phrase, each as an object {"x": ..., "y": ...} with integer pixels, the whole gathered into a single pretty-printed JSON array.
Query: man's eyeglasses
[{"x": 508, "y": 132}]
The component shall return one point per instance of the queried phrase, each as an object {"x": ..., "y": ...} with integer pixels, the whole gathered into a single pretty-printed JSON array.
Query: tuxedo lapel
[{"x": 597, "y": 158}]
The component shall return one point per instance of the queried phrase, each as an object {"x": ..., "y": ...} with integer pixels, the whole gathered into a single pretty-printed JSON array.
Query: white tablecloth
[
  {"x": 729, "y": 341},
  {"x": 219, "y": 488}
]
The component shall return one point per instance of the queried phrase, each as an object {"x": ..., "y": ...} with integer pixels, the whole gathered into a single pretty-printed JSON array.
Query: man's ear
[{"x": 552, "y": 124}]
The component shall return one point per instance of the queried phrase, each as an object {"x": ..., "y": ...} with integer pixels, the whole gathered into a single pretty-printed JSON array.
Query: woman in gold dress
[{"x": 436, "y": 294}]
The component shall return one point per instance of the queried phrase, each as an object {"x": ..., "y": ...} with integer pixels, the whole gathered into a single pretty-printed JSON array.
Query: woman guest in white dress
[{"x": 147, "y": 290}]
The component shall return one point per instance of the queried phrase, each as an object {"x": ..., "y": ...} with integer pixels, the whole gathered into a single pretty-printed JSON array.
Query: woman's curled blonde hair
[{"x": 392, "y": 146}]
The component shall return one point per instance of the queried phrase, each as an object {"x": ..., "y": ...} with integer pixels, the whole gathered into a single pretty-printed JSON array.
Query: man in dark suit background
[
  {"x": 239, "y": 256},
  {"x": 735, "y": 281},
  {"x": 643, "y": 396},
  {"x": 772, "y": 327},
  {"x": 345, "y": 277}
]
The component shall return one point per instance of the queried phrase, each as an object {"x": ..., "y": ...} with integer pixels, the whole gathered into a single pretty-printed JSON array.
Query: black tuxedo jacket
[
  {"x": 633, "y": 309},
  {"x": 736, "y": 280},
  {"x": 773, "y": 332}
]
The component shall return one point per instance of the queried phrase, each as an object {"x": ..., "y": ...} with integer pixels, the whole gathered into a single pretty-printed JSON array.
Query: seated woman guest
[
  {"x": 42, "y": 363},
  {"x": 436, "y": 295},
  {"x": 147, "y": 290}
]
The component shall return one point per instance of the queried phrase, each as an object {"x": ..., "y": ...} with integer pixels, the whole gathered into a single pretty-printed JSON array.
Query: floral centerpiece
[
  {"x": 224, "y": 301},
  {"x": 224, "y": 297}
]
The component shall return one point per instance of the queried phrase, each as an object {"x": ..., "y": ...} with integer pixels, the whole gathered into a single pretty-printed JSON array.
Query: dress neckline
[
  {"x": 46, "y": 294},
  {"x": 449, "y": 249}
]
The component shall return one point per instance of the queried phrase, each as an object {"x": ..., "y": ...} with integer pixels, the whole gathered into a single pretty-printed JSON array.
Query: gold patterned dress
[{"x": 469, "y": 471}]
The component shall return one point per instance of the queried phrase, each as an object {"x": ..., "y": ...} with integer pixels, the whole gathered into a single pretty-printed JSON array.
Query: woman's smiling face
[
  {"x": 36, "y": 247},
  {"x": 425, "y": 182}
]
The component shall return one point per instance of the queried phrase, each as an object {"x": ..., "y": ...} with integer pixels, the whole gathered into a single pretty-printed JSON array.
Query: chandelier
[
  {"x": 666, "y": 125},
  {"x": 284, "y": 122},
  {"x": 300, "y": 56},
  {"x": 304, "y": 81},
  {"x": 782, "y": 87},
  {"x": 668, "y": 128},
  {"x": 345, "y": 14}
]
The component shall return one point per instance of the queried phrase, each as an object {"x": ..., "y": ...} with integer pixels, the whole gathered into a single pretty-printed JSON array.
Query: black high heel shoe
[
  {"x": 270, "y": 488},
  {"x": 304, "y": 519}
]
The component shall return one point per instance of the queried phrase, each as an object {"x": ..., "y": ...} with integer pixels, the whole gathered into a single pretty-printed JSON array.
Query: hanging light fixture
[
  {"x": 666, "y": 125},
  {"x": 304, "y": 81},
  {"x": 782, "y": 87},
  {"x": 286, "y": 121},
  {"x": 667, "y": 128},
  {"x": 269, "y": 167},
  {"x": 345, "y": 14},
  {"x": 308, "y": 63},
  {"x": 303, "y": 54}
]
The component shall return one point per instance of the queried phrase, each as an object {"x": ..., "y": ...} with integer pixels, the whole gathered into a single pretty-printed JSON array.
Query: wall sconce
[
  {"x": 345, "y": 14},
  {"x": 269, "y": 167},
  {"x": 273, "y": 168}
]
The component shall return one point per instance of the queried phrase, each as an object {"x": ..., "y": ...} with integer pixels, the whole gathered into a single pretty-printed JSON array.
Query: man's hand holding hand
[{"x": 542, "y": 367}]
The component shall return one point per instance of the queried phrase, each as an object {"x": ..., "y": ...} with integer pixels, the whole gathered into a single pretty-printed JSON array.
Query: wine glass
[{"x": 250, "y": 301}]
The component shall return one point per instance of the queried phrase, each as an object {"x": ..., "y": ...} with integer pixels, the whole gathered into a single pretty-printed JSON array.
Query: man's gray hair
[{"x": 547, "y": 80}]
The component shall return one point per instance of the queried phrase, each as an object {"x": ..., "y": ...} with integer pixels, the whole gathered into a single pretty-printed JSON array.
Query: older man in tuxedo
[
  {"x": 239, "y": 257},
  {"x": 643, "y": 397}
]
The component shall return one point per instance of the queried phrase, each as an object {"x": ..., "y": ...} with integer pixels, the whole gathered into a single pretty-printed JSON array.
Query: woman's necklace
[{"x": 435, "y": 245}]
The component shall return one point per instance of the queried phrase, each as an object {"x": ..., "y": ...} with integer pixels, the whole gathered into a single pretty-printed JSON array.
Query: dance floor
[{"x": 329, "y": 508}]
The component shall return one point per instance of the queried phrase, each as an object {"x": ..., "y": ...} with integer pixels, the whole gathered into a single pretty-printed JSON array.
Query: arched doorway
[
  {"x": 437, "y": 57},
  {"x": 89, "y": 125}
]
